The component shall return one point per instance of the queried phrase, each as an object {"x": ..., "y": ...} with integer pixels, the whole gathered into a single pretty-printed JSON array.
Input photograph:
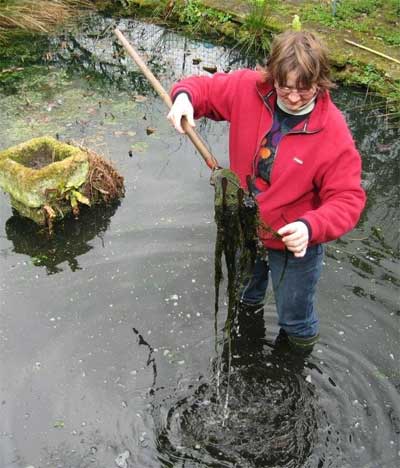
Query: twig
[{"x": 372, "y": 51}]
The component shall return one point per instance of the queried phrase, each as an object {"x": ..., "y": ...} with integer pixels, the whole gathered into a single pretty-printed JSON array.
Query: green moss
[
  {"x": 38, "y": 148},
  {"x": 61, "y": 168},
  {"x": 47, "y": 179}
]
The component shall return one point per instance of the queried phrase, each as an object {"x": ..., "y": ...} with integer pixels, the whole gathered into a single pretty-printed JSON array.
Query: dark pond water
[{"x": 111, "y": 354}]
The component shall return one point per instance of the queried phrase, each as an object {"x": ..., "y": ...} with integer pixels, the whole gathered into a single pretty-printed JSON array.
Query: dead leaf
[
  {"x": 150, "y": 130},
  {"x": 210, "y": 69},
  {"x": 140, "y": 98}
]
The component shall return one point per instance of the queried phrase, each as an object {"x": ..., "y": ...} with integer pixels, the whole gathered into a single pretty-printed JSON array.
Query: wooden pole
[
  {"x": 208, "y": 157},
  {"x": 372, "y": 51}
]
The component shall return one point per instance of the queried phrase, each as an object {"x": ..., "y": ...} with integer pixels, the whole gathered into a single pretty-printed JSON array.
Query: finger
[
  {"x": 175, "y": 119},
  {"x": 296, "y": 242},
  {"x": 301, "y": 253},
  {"x": 190, "y": 119},
  {"x": 285, "y": 230},
  {"x": 178, "y": 125},
  {"x": 296, "y": 246},
  {"x": 295, "y": 236}
]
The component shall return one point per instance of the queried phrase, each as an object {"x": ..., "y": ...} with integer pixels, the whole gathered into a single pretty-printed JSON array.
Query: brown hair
[{"x": 302, "y": 53}]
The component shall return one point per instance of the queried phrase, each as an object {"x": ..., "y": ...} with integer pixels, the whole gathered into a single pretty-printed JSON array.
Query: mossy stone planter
[{"x": 48, "y": 179}]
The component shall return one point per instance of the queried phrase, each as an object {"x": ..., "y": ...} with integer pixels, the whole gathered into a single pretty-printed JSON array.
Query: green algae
[
  {"x": 236, "y": 218},
  {"x": 53, "y": 103}
]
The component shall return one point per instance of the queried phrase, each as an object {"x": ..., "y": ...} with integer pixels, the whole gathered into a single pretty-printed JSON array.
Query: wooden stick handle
[
  {"x": 372, "y": 51},
  {"x": 208, "y": 157}
]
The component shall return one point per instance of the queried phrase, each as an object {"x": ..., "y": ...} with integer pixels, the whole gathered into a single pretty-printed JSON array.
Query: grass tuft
[{"x": 37, "y": 16}]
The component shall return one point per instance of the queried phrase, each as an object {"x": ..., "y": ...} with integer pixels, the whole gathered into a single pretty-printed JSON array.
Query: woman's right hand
[{"x": 181, "y": 107}]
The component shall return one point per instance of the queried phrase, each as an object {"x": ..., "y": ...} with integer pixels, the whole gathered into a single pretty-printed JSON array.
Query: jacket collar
[{"x": 318, "y": 117}]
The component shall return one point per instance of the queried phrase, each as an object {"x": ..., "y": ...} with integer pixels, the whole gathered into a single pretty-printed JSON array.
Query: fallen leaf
[
  {"x": 210, "y": 69},
  {"x": 150, "y": 130},
  {"x": 140, "y": 98}
]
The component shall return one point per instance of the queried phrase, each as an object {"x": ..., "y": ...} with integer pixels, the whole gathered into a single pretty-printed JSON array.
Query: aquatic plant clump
[
  {"x": 238, "y": 224},
  {"x": 239, "y": 228},
  {"x": 48, "y": 179}
]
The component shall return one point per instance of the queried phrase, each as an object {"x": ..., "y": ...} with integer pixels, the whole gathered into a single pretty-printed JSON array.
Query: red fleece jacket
[{"x": 316, "y": 173}]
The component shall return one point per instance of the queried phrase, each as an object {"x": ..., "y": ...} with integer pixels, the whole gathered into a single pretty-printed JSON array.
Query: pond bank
[{"x": 376, "y": 29}]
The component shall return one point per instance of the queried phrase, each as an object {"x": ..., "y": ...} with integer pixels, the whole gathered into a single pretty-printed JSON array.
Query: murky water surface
[{"x": 109, "y": 352}]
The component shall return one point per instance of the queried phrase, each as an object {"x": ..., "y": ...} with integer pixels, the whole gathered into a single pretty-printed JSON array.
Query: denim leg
[
  {"x": 295, "y": 290},
  {"x": 253, "y": 291}
]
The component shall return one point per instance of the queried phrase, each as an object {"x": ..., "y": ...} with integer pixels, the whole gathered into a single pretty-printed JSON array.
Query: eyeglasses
[{"x": 302, "y": 92}]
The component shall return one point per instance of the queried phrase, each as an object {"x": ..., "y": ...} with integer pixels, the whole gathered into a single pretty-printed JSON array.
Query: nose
[{"x": 294, "y": 97}]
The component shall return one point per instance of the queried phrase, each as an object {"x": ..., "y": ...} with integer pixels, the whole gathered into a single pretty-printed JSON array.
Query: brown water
[{"x": 107, "y": 335}]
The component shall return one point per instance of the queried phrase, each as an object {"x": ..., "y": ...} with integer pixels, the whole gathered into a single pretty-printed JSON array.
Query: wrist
[{"x": 182, "y": 93}]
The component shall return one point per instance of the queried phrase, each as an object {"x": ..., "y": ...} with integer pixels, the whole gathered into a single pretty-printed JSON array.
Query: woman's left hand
[{"x": 295, "y": 237}]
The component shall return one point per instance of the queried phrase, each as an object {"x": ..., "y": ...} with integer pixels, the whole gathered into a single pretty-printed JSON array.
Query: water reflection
[
  {"x": 70, "y": 240},
  {"x": 169, "y": 56},
  {"x": 378, "y": 140}
]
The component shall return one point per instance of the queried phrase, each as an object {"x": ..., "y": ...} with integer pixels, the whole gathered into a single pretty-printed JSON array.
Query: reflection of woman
[{"x": 286, "y": 133}]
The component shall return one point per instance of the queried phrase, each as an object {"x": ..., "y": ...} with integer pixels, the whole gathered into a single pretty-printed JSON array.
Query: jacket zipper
[
  {"x": 304, "y": 130},
  {"x": 262, "y": 136}
]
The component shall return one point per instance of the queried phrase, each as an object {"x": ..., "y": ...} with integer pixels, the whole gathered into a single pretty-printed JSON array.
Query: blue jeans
[{"x": 294, "y": 288}]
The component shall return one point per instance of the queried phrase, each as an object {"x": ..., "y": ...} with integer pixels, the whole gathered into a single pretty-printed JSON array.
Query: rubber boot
[{"x": 295, "y": 345}]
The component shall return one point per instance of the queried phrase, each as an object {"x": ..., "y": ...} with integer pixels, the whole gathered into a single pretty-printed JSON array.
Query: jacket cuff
[
  {"x": 182, "y": 91},
  {"x": 308, "y": 227}
]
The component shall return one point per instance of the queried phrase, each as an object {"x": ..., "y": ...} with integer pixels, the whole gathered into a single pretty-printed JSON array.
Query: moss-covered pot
[{"x": 48, "y": 179}]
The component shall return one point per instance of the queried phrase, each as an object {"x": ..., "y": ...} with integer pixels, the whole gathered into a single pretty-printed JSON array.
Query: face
[{"x": 294, "y": 98}]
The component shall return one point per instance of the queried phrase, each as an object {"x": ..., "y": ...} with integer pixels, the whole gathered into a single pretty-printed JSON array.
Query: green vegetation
[
  {"x": 254, "y": 37},
  {"x": 246, "y": 24},
  {"x": 24, "y": 29},
  {"x": 191, "y": 15},
  {"x": 375, "y": 82},
  {"x": 357, "y": 15},
  {"x": 194, "y": 14},
  {"x": 39, "y": 16}
]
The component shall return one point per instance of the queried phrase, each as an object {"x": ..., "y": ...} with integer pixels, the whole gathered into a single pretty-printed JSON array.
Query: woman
[{"x": 286, "y": 133}]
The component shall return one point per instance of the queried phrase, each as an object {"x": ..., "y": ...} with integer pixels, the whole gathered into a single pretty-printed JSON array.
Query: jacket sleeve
[
  {"x": 211, "y": 97},
  {"x": 342, "y": 197}
]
